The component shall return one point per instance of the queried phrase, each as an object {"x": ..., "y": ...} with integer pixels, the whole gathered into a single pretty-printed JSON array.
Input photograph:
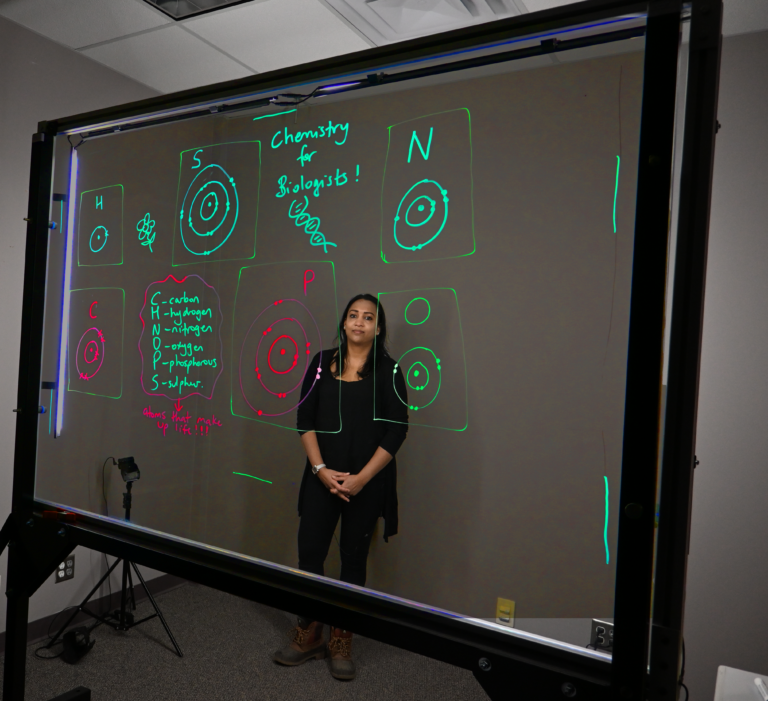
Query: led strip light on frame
[{"x": 65, "y": 297}]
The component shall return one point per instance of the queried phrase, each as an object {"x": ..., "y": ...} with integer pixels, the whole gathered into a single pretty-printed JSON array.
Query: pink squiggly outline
[
  {"x": 77, "y": 355},
  {"x": 303, "y": 375},
  {"x": 143, "y": 326}
]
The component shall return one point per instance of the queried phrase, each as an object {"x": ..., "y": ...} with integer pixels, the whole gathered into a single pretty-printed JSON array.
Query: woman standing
[{"x": 351, "y": 468}]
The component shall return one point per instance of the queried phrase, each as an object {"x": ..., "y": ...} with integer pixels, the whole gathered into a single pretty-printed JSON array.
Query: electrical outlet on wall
[
  {"x": 66, "y": 570},
  {"x": 505, "y": 612},
  {"x": 602, "y": 635}
]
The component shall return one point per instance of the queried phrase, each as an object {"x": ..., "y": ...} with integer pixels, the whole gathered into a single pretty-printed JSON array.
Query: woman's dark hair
[{"x": 379, "y": 347}]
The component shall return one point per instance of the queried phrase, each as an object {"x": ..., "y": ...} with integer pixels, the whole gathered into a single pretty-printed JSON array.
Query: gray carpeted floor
[{"x": 227, "y": 644}]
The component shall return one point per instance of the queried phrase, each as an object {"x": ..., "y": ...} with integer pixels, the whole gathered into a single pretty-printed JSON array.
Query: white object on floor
[{"x": 738, "y": 685}]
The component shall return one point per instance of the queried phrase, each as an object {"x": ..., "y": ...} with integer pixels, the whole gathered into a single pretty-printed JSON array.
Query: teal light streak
[
  {"x": 242, "y": 474},
  {"x": 276, "y": 114},
  {"x": 605, "y": 528},
  {"x": 616, "y": 192}
]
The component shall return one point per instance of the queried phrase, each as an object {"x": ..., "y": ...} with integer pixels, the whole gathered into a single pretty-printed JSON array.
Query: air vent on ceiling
[
  {"x": 183, "y": 9},
  {"x": 386, "y": 21}
]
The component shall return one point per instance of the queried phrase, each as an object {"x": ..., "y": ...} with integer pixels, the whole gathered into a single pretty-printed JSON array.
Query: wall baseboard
[{"x": 38, "y": 630}]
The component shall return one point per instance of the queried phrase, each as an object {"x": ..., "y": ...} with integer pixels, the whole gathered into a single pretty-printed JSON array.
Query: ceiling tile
[
  {"x": 79, "y": 23},
  {"x": 272, "y": 34},
  {"x": 739, "y": 16},
  {"x": 538, "y": 5},
  {"x": 744, "y": 16},
  {"x": 169, "y": 59}
]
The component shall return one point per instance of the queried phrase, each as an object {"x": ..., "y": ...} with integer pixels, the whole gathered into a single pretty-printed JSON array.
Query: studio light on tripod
[{"x": 128, "y": 469}]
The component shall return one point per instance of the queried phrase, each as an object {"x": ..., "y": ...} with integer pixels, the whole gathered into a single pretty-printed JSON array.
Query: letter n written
[
  {"x": 100, "y": 198},
  {"x": 415, "y": 137}
]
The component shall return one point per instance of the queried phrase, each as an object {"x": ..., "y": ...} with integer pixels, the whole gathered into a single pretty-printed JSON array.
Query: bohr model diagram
[
  {"x": 209, "y": 211},
  {"x": 89, "y": 356},
  {"x": 421, "y": 215},
  {"x": 98, "y": 239},
  {"x": 281, "y": 359},
  {"x": 420, "y": 365}
]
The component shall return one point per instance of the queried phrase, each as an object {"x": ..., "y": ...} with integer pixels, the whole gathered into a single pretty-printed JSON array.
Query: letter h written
[
  {"x": 155, "y": 313},
  {"x": 99, "y": 202}
]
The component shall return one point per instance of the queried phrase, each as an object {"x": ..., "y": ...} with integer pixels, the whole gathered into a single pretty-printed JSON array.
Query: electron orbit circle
[
  {"x": 84, "y": 375},
  {"x": 407, "y": 306},
  {"x": 415, "y": 373},
  {"x": 421, "y": 211},
  {"x": 265, "y": 335},
  {"x": 213, "y": 203},
  {"x": 99, "y": 237}
]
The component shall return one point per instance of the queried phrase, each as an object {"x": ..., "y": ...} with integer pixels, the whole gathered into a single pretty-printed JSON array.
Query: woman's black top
[{"x": 347, "y": 433}]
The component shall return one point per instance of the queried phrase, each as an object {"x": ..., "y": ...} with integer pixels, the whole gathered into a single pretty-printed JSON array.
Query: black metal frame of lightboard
[{"x": 503, "y": 664}]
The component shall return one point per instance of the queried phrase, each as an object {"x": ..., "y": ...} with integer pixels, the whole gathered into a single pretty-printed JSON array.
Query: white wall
[
  {"x": 726, "y": 618},
  {"x": 39, "y": 80}
]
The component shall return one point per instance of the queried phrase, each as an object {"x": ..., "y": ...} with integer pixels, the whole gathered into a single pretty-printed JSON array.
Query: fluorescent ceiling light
[{"x": 183, "y": 9}]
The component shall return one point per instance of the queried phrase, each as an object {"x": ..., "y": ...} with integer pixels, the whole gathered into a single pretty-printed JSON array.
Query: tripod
[{"x": 122, "y": 619}]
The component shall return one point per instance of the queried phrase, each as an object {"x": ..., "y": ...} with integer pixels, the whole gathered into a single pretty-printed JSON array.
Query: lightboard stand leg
[
  {"x": 157, "y": 611},
  {"x": 81, "y": 607},
  {"x": 123, "y": 616},
  {"x": 17, "y": 613}
]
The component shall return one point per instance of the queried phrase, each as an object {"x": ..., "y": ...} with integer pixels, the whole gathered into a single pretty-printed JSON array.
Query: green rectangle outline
[
  {"x": 232, "y": 362},
  {"x": 122, "y": 350},
  {"x": 463, "y": 353},
  {"x": 122, "y": 232},
  {"x": 471, "y": 190},
  {"x": 178, "y": 189}
]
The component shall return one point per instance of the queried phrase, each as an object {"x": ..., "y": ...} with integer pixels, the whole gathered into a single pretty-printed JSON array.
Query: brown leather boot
[
  {"x": 306, "y": 643},
  {"x": 340, "y": 647}
]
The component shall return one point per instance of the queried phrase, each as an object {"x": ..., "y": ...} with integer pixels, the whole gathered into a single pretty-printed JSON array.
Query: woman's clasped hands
[{"x": 341, "y": 484}]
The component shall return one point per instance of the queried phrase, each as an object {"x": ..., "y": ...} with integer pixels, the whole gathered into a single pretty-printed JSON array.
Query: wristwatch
[{"x": 317, "y": 468}]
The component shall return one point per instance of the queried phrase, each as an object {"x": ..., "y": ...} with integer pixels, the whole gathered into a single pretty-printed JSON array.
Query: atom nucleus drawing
[
  {"x": 209, "y": 211},
  {"x": 277, "y": 346},
  {"x": 428, "y": 348},
  {"x": 282, "y": 354},
  {"x": 422, "y": 385},
  {"x": 425, "y": 204},
  {"x": 98, "y": 239},
  {"x": 217, "y": 203},
  {"x": 92, "y": 347},
  {"x": 95, "y": 341},
  {"x": 100, "y": 227}
]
